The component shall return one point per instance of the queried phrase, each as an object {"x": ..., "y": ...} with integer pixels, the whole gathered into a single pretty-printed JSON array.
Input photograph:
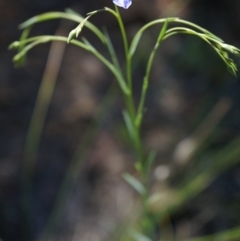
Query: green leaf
[
  {"x": 232, "y": 70},
  {"x": 129, "y": 125},
  {"x": 78, "y": 29},
  {"x": 87, "y": 43},
  {"x": 49, "y": 16},
  {"x": 136, "y": 184},
  {"x": 81, "y": 25},
  {"x": 138, "y": 35},
  {"x": 111, "y": 50},
  {"x": 70, "y": 15},
  {"x": 139, "y": 236},
  {"x": 150, "y": 160},
  {"x": 71, "y": 35},
  {"x": 14, "y": 45},
  {"x": 134, "y": 44},
  {"x": 23, "y": 37},
  {"x": 163, "y": 31},
  {"x": 20, "y": 56}
]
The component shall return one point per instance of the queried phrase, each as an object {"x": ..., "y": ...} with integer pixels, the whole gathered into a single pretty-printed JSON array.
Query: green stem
[
  {"x": 147, "y": 74},
  {"x": 123, "y": 32},
  {"x": 128, "y": 98},
  {"x": 44, "y": 39},
  {"x": 56, "y": 15},
  {"x": 145, "y": 86}
]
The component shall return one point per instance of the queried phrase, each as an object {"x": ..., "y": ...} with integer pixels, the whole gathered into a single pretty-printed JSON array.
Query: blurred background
[{"x": 62, "y": 180}]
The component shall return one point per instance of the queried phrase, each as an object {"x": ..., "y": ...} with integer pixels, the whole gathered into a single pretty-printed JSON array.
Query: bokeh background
[{"x": 192, "y": 120}]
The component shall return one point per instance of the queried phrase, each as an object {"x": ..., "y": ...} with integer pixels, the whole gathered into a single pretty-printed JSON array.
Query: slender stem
[
  {"x": 56, "y": 15},
  {"x": 206, "y": 38},
  {"x": 145, "y": 86},
  {"x": 44, "y": 39},
  {"x": 112, "y": 51},
  {"x": 129, "y": 70},
  {"x": 123, "y": 31},
  {"x": 147, "y": 74},
  {"x": 128, "y": 98},
  {"x": 142, "y": 102}
]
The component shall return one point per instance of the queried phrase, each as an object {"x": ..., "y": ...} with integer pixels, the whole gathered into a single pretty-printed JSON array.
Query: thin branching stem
[
  {"x": 133, "y": 116},
  {"x": 44, "y": 39},
  {"x": 56, "y": 15}
]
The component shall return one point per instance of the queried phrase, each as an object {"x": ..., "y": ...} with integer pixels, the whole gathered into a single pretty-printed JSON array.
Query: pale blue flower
[{"x": 123, "y": 3}]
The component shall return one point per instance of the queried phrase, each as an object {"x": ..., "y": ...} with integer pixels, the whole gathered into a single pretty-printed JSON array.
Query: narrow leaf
[
  {"x": 129, "y": 125},
  {"x": 134, "y": 44},
  {"x": 78, "y": 29},
  {"x": 81, "y": 25},
  {"x": 70, "y": 36},
  {"x": 111, "y": 50},
  {"x": 136, "y": 184},
  {"x": 139, "y": 236},
  {"x": 150, "y": 160},
  {"x": 163, "y": 31},
  {"x": 87, "y": 43}
]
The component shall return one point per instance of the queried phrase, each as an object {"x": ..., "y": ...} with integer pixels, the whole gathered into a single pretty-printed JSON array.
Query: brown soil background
[{"x": 186, "y": 83}]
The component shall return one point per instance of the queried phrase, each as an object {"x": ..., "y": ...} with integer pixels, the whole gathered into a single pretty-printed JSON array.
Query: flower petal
[{"x": 123, "y": 3}]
